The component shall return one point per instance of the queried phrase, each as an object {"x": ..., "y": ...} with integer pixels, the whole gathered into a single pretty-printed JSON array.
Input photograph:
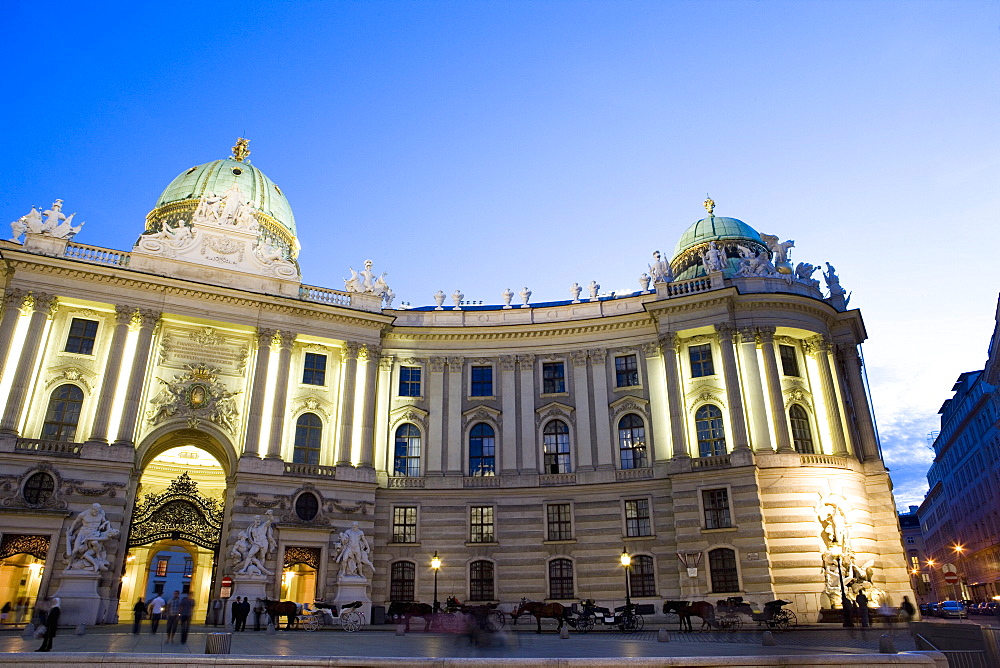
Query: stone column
[
  {"x": 42, "y": 305},
  {"x": 655, "y": 375},
  {"x": 581, "y": 397},
  {"x": 737, "y": 416},
  {"x": 848, "y": 353},
  {"x": 508, "y": 419},
  {"x": 753, "y": 389},
  {"x": 383, "y": 383},
  {"x": 605, "y": 450},
  {"x": 137, "y": 377},
  {"x": 774, "y": 390},
  {"x": 529, "y": 442},
  {"x": 13, "y": 300},
  {"x": 278, "y": 408},
  {"x": 819, "y": 348},
  {"x": 371, "y": 353},
  {"x": 350, "y": 356},
  {"x": 255, "y": 409},
  {"x": 678, "y": 434},
  {"x": 109, "y": 383},
  {"x": 434, "y": 447},
  {"x": 453, "y": 446}
]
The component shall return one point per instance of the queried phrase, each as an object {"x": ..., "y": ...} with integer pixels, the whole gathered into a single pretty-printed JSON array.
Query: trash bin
[
  {"x": 378, "y": 614},
  {"x": 218, "y": 643}
]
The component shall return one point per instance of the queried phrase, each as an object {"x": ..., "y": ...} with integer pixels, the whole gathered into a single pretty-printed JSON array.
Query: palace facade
[{"x": 713, "y": 424}]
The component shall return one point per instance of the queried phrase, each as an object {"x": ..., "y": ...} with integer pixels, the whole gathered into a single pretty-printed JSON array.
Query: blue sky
[{"x": 485, "y": 145}]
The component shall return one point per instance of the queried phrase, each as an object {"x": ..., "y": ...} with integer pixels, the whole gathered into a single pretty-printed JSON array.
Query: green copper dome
[
  {"x": 215, "y": 178},
  {"x": 715, "y": 228}
]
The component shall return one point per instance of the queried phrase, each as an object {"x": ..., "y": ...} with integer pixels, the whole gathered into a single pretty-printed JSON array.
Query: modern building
[
  {"x": 713, "y": 424},
  {"x": 960, "y": 516}
]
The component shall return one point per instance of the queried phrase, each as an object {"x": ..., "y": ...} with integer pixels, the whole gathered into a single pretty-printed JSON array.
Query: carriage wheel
[
  {"x": 351, "y": 621},
  {"x": 495, "y": 619},
  {"x": 782, "y": 619},
  {"x": 631, "y": 623},
  {"x": 311, "y": 623},
  {"x": 730, "y": 623},
  {"x": 586, "y": 623}
]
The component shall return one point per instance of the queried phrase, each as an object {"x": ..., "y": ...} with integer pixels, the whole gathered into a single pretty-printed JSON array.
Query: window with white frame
[
  {"x": 555, "y": 446},
  {"x": 801, "y": 434},
  {"x": 561, "y": 579},
  {"x": 481, "y": 524},
  {"x": 715, "y": 503},
  {"x": 722, "y": 570},
  {"x": 406, "y": 456},
  {"x": 481, "y": 381},
  {"x": 404, "y": 524},
  {"x": 553, "y": 378},
  {"x": 701, "y": 360},
  {"x": 308, "y": 439},
  {"x": 626, "y": 371},
  {"x": 632, "y": 442},
  {"x": 409, "y": 381},
  {"x": 314, "y": 369},
  {"x": 711, "y": 433},
  {"x": 482, "y": 450},
  {"x": 559, "y": 521},
  {"x": 637, "y": 518},
  {"x": 481, "y": 579}
]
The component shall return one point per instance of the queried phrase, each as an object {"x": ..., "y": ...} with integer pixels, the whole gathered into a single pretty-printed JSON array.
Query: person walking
[
  {"x": 51, "y": 625},
  {"x": 863, "y": 611},
  {"x": 907, "y": 611},
  {"x": 218, "y": 612},
  {"x": 138, "y": 612},
  {"x": 155, "y": 612},
  {"x": 186, "y": 609},
  {"x": 258, "y": 612},
  {"x": 5, "y": 612},
  {"x": 173, "y": 614}
]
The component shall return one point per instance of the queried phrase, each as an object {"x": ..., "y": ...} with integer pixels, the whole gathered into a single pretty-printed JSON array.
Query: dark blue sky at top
[{"x": 485, "y": 145}]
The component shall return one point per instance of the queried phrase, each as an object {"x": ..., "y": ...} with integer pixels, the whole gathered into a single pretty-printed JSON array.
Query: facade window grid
[
  {"x": 406, "y": 456},
  {"x": 481, "y": 524},
  {"x": 559, "y": 521},
  {"x": 482, "y": 450},
  {"x": 314, "y": 369},
  {"x": 409, "y": 381},
  {"x": 481, "y": 579},
  {"x": 711, "y": 432},
  {"x": 402, "y": 575},
  {"x": 555, "y": 444},
  {"x": 701, "y": 360},
  {"x": 561, "y": 579},
  {"x": 553, "y": 378},
  {"x": 626, "y": 371},
  {"x": 82, "y": 336},
  {"x": 642, "y": 576},
  {"x": 716, "y": 505},
  {"x": 637, "y": 518},
  {"x": 482, "y": 381},
  {"x": 632, "y": 442},
  {"x": 722, "y": 570},
  {"x": 404, "y": 524},
  {"x": 308, "y": 439},
  {"x": 63, "y": 414},
  {"x": 789, "y": 360},
  {"x": 801, "y": 434}
]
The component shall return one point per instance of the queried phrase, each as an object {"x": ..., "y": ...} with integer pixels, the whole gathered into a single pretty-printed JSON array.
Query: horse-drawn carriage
[
  {"x": 773, "y": 616},
  {"x": 454, "y": 618},
  {"x": 350, "y": 619},
  {"x": 585, "y": 615}
]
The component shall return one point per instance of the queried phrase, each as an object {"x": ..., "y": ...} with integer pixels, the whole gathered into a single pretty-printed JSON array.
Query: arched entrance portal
[{"x": 176, "y": 528}]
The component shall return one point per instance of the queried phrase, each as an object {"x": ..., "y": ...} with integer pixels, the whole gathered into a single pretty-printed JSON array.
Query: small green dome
[
  {"x": 218, "y": 176},
  {"x": 715, "y": 228}
]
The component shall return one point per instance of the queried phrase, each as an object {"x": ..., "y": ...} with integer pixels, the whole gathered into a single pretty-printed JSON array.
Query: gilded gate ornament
[{"x": 180, "y": 512}]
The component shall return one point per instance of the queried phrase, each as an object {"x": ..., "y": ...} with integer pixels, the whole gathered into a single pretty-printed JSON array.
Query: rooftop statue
[
  {"x": 754, "y": 264},
  {"x": 56, "y": 223},
  {"x": 594, "y": 288},
  {"x": 507, "y": 295},
  {"x": 439, "y": 298},
  {"x": 525, "y": 295},
  {"x": 366, "y": 281},
  {"x": 714, "y": 259},
  {"x": 660, "y": 270},
  {"x": 574, "y": 292},
  {"x": 456, "y": 298},
  {"x": 780, "y": 250}
]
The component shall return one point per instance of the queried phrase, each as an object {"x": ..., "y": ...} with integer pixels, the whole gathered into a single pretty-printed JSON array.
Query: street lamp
[
  {"x": 626, "y": 562},
  {"x": 435, "y": 565},
  {"x": 958, "y": 548},
  {"x": 845, "y": 604}
]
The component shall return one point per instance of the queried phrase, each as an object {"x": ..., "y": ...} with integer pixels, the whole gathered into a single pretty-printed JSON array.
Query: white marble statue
[
  {"x": 755, "y": 264},
  {"x": 644, "y": 282},
  {"x": 388, "y": 296},
  {"x": 525, "y": 295},
  {"x": 253, "y": 546},
  {"x": 594, "y": 288},
  {"x": 85, "y": 540},
  {"x": 507, "y": 295},
  {"x": 367, "y": 281},
  {"x": 832, "y": 281},
  {"x": 456, "y": 298},
  {"x": 56, "y": 223},
  {"x": 574, "y": 292},
  {"x": 660, "y": 269},
  {"x": 780, "y": 250},
  {"x": 713, "y": 259},
  {"x": 267, "y": 253},
  {"x": 353, "y": 552},
  {"x": 439, "y": 298}
]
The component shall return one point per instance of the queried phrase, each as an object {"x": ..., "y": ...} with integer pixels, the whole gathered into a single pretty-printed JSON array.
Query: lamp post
[
  {"x": 435, "y": 565},
  {"x": 958, "y": 548},
  {"x": 836, "y": 550},
  {"x": 626, "y": 562}
]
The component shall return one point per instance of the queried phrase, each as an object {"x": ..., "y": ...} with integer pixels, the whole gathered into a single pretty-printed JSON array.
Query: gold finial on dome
[
  {"x": 242, "y": 150},
  {"x": 709, "y": 205}
]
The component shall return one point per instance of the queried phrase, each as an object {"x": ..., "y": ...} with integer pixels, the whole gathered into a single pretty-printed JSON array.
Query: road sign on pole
[{"x": 951, "y": 577}]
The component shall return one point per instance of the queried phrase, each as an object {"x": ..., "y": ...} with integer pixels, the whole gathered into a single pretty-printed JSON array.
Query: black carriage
[
  {"x": 773, "y": 616},
  {"x": 587, "y": 614}
]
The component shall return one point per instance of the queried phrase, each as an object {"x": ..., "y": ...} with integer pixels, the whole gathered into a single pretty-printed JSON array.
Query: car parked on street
[{"x": 953, "y": 609}]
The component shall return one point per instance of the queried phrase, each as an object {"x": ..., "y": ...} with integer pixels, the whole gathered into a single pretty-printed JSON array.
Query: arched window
[
  {"x": 555, "y": 445},
  {"x": 642, "y": 579},
  {"x": 722, "y": 570},
  {"x": 406, "y": 458},
  {"x": 711, "y": 433},
  {"x": 482, "y": 449},
  {"x": 481, "y": 581},
  {"x": 63, "y": 414},
  {"x": 308, "y": 435},
  {"x": 401, "y": 579},
  {"x": 561, "y": 578},
  {"x": 38, "y": 488},
  {"x": 632, "y": 442},
  {"x": 801, "y": 435}
]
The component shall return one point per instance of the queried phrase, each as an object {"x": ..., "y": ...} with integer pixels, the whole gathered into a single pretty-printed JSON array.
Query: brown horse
[
  {"x": 407, "y": 609},
  {"x": 278, "y": 609},
  {"x": 686, "y": 610},
  {"x": 554, "y": 611}
]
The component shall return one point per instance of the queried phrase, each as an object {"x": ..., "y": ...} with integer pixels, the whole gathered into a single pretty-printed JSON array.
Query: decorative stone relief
[
  {"x": 598, "y": 355},
  {"x": 311, "y": 404},
  {"x": 579, "y": 357},
  {"x": 482, "y": 414},
  {"x": 196, "y": 395},
  {"x": 70, "y": 374},
  {"x": 555, "y": 410},
  {"x": 628, "y": 404},
  {"x": 704, "y": 396},
  {"x": 412, "y": 414},
  {"x": 437, "y": 364},
  {"x": 11, "y": 485}
]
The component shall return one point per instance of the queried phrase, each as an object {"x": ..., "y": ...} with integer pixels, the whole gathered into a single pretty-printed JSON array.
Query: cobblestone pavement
[{"x": 520, "y": 644}]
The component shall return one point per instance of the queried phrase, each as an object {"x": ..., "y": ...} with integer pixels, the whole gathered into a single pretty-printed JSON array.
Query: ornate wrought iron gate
[{"x": 179, "y": 513}]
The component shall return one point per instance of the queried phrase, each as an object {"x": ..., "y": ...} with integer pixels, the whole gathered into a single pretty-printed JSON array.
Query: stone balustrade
[
  {"x": 313, "y": 470},
  {"x": 96, "y": 255},
  {"x": 53, "y": 448}
]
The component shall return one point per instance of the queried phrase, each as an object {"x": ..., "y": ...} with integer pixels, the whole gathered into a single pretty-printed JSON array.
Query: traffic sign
[
  {"x": 227, "y": 587},
  {"x": 948, "y": 568},
  {"x": 951, "y": 577}
]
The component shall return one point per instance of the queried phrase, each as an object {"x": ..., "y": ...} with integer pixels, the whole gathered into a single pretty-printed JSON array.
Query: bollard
[
  {"x": 886, "y": 646},
  {"x": 662, "y": 636},
  {"x": 218, "y": 643},
  {"x": 564, "y": 632},
  {"x": 768, "y": 639},
  {"x": 81, "y": 629},
  {"x": 270, "y": 629},
  {"x": 400, "y": 629}
]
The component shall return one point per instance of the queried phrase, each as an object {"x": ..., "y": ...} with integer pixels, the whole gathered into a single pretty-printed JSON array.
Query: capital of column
[
  {"x": 385, "y": 363},
  {"x": 650, "y": 349},
  {"x": 350, "y": 350},
  {"x": 369, "y": 351},
  {"x": 816, "y": 346},
  {"x": 286, "y": 340},
  {"x": 669, "y": 341},
  {"x": 748, "y": 335},
  {"x": 42, "y": 302},
  {"x": 146, "y": 318},
  {"x": 527, "y": 362},
  {"x": 436, "y": 364},
  {"x": 265, "y": 337},
  {"x": 766, "y": 334},
  {"x": 508, "y": 362},
  {"x": 14, "y": 298},
  {"x": 123, "y": 314},
  {"x": 455, "y": 364},
  {"x": 726, "y": 330},
  {"x": 848, "y": 350},
  {"x": 598, "y": 355},
  {"x": 579, "y": 357}
]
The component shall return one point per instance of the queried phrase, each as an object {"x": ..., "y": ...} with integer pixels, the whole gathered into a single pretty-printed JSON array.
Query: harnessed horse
[
  {"x": 407, "y": 609},
  {"x": 278, "y": 609},
  {"x": 556, "y": 611},
  {"x": 686, "y": 610}
]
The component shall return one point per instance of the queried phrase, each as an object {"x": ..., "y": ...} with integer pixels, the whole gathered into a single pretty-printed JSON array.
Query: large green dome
[
  {"x": 218, "y": 176},
  {"x": 715, "y": 228}
]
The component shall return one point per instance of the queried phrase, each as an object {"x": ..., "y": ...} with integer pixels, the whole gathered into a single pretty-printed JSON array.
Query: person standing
[
  {"x": 173, "y": 613},
  {"x": 155, "y": 612},
  {"x": 862, "y": 602},
  {"x": 51, "y": 624},
  {"x": 907, "y": 610},
  {"x": 258, "y": 612},
  {"x": 187, "y": 608},
  {"x": 241, "y": 609},
  {"x": 138, "y": 612},
  {"x": 218, "y": 612}
]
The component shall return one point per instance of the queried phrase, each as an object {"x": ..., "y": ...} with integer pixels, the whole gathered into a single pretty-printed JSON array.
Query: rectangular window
[
  {"x": 637, "y": 518},
  {"x": 82, "y": 335},
  {"x": 559, "y": 521},
  {"x": 161, "y": 568},
  {"x": 553, "y": 378},
  {"x": 188, "y": 568},
  {"x": 409, "y": 381},
  {"x": 909, "y": 540},
  {"x": 481, "y": 581},
  {"x": 314, "y": 369},
  {"x": 915, "y": 561},
  {"x": 626, "y": 371},
  {"x": 701, "y": 360},
  {"x": 404, "y": 524},
  {"x": 481, "y": 524},
  {"x": 482, "y": 381},
  {"x": 789, "y": 362},
  {"x": 716, "y": 504},
  {"x": 402, "y": 578}
]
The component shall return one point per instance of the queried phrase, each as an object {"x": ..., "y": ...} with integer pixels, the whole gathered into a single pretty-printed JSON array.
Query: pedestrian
[
  {"x": 173, "y": 614},
  {"x": 21, "y": 610},
  {"x": 906, "y": 610},
  {"x": 51, "y": 624},
  {"x": 862, "y": 602},
  {"x": 5, "y": 612},
  {"x": 138, "y": 612},
  {"x": 241, "y": 609},
  {"x": 187, "y": 608},
  {"x": 258, "y": 612},
  {"x": 155, "y": 612},
  {"x": 218, "y": 612}
]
